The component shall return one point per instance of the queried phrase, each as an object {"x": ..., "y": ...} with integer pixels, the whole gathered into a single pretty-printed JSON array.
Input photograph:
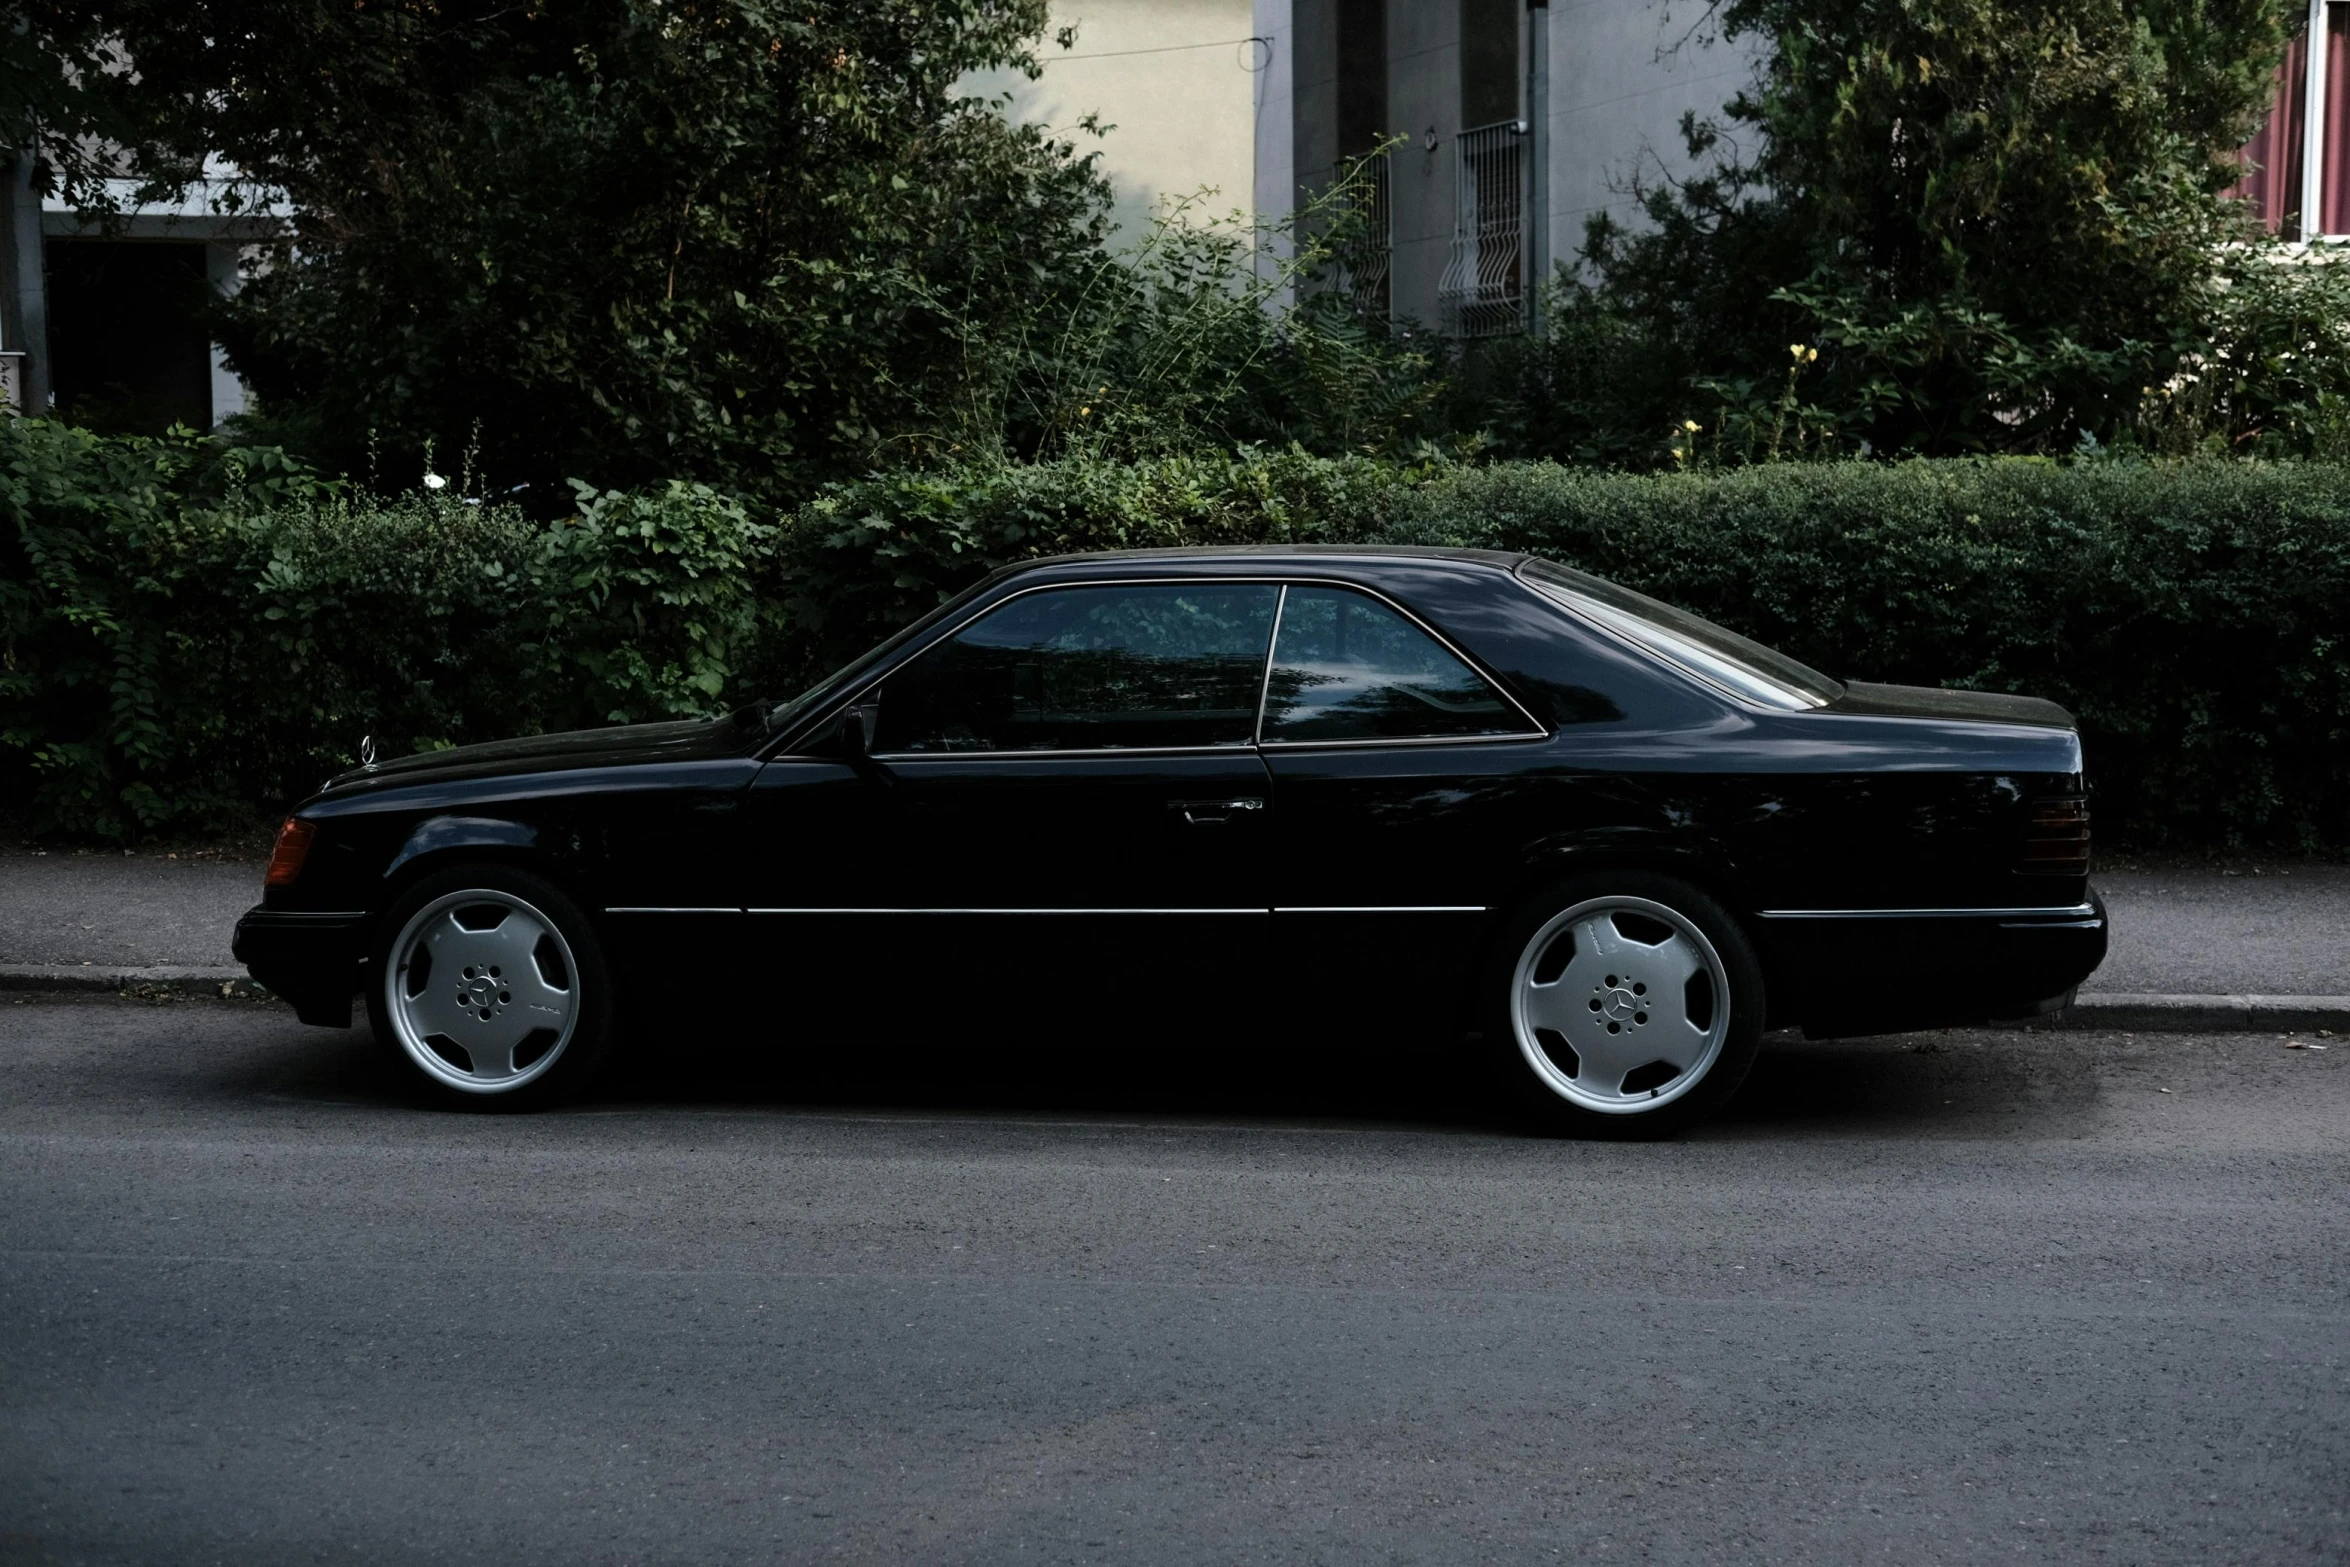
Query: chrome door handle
[{"x": 1214, "y": 813}]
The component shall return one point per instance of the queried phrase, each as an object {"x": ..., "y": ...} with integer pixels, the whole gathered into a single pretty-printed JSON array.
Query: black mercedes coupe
[{"x": 1564, "y": 829}]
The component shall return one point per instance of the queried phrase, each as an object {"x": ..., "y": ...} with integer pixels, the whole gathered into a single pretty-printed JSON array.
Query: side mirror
[{"x": 856, "y": 732}]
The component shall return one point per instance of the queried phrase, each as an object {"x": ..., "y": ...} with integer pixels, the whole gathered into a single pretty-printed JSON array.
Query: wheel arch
[
  {"x": 438, "y": 842},
  {"x": 1704, "y": 864}
]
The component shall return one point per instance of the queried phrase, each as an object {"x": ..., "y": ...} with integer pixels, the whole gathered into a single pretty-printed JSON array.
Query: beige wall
[
  {"x": 1622, "y": 73},
  {"x": 1174, "y": 79}
]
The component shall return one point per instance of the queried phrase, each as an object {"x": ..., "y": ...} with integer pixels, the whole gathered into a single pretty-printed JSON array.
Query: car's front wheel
[
  {"x": 1627, "y": 1003},
  {"x": 490, "y": 985}
]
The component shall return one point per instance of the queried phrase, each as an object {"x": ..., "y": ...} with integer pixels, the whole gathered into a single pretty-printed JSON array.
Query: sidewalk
[{"x": 2261, "y": 945}]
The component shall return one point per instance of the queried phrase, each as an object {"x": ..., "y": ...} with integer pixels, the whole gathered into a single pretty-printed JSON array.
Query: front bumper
[
  {"x": 1845, "y": 972},
  {"x": 314, "y": 960}
]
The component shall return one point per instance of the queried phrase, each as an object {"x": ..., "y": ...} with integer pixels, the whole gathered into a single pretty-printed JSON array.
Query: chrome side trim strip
[
  {"x": 1340, "y": 908},
  {"x": 1236, "y": 748},
  {"x": 1064, "y": 912},
  {"x": 1514, "y": 738},
  {"x": 2077, "y": 911},
  {"x": 658, "y": 910},
  {"x": 1383, "y": 908}
]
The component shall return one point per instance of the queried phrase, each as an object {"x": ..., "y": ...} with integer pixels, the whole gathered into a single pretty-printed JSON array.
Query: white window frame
[{"x": 2313, "y": 126}]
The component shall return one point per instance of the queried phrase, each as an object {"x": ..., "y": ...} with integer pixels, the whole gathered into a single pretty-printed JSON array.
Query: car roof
[{"x": 1264, "y": 555}]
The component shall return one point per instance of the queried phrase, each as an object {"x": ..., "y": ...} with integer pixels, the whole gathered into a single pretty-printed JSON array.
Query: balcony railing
[
  {"x": 1370, "y": 240},
  {"x": 1483, "y": 290}
]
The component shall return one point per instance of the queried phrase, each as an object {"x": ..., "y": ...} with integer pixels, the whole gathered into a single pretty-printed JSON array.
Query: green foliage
[
  {"x": 187, "y": 634},
  {"x": 866, "y": 557},
  {"x": 1211, "y": 333},
  {"x": 2189, "y": 614},
  {"x": 1998, "y": 222},
  {"x": 743, "y": 239}
]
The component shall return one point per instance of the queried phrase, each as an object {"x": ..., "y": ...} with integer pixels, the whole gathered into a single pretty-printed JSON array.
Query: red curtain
[{"x": 2271, "y": 185}]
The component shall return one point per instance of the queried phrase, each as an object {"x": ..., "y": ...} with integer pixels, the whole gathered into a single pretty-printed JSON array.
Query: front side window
[
  {"x": 1347, "y": 667},
  {"x": 1089, "y": 669}
]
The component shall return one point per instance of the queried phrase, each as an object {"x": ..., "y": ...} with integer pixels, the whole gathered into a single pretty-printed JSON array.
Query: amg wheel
[
  {"x": 1632, "y": 1004},
  {"x": 491, "y": 986}
]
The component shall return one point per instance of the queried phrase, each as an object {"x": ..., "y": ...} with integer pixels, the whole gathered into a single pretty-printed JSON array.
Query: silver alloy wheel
[
  {"x": 1633, "y": 1018},
  {"x": 482, "y": 991}
]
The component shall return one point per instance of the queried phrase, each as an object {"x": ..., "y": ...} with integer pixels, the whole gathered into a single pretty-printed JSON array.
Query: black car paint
[{"x": 1871, "y": 846}]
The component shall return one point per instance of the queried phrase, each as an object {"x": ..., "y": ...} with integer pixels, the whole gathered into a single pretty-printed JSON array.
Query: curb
[
  {"x": 2158, "y": 1014},
  {"x": 172, "y": 979}
]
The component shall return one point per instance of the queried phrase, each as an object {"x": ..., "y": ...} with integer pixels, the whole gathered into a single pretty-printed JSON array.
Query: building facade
[
  {"x": 1517, "y": 122},
  {"x": 104, "y": 323}
]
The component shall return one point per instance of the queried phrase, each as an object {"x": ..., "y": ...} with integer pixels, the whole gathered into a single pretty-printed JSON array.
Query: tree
[
  {"x": 737, "y": 239},
  {"x": 1999, "y": 223}
]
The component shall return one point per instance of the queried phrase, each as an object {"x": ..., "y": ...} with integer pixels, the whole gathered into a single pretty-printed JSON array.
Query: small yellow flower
[
  {"x": 1690, "y": 425},
  {"x": 1084, "y": 410}
]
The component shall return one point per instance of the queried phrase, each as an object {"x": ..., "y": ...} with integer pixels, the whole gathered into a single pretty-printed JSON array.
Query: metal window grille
[
  {"x": 1363, "y": 260},
  {"x": 1483, "y": 290}
]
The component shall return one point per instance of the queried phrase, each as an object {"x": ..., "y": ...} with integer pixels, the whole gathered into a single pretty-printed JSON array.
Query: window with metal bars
[{"x": 1483, "y": 290}]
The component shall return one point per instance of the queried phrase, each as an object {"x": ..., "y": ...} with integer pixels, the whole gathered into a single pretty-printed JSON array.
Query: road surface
[{"x": 1962, "y": 1297}]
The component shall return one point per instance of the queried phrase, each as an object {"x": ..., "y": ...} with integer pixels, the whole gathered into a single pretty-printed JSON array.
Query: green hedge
[
  {"x": 190, "y": 635},
  {"x": 187, "y": 635},
  {"x": 2196, "y": 618}
]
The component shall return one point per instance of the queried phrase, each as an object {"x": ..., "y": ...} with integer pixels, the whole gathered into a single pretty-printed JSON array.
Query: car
[{"x": 1592, "y": 842}]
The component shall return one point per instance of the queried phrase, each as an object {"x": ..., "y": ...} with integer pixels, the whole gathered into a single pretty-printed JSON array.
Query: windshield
[
  {"x": 1720, "y": 657},
  {"x": 781, "y": 715}
]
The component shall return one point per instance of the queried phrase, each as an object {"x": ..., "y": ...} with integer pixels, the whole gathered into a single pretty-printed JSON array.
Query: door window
[
  {"x": 1347, "y": 667},
  {"x": 1087, "y": 669}
]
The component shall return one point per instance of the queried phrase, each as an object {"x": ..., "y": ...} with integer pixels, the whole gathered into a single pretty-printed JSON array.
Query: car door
[
  {"x": 1062, "y": 804},
  {"x": 1398, "y": 792}
]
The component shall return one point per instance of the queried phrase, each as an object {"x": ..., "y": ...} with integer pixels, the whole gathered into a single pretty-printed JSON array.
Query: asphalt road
[{"x": 1963, "y": 1297}]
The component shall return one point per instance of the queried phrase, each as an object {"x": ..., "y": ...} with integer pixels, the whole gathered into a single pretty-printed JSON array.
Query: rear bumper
[
  {"x": 313, "y": 960},
  {"x": 1844, "y": 972}
]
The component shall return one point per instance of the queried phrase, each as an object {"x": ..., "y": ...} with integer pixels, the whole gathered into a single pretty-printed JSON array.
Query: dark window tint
[
  {"x": 1347, "y": 667},
  {"x": 1084, "y": 669}
]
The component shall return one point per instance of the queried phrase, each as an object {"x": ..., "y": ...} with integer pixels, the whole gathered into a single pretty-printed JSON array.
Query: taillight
[
  {"x": 293, "y": 846},
  {"x": 2057, "y": 842}
]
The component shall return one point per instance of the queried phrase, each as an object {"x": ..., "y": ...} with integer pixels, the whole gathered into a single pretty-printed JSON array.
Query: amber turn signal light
[
  {"x": 2057, "y": 842},
  {"x": 293, "y": 847}
]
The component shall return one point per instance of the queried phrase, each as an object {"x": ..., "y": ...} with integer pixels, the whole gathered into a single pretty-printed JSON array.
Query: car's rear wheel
[
  {"x": 1627, "y": 1003},
  {"x": 489, "y": 984}
]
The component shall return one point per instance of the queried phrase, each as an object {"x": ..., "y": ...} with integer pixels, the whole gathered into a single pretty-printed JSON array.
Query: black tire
[
  {"x": 564, "y": 1068},
  {"x": 1542, "y": 1095}
]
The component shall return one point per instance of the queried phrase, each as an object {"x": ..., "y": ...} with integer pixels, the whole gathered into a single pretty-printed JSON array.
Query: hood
[
  {"x": 1987, "y": 707},
  {"x": 619, "y": 746}
]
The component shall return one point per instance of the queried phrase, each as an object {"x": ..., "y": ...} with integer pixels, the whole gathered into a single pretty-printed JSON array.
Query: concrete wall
[
  {"x": 1275, "y": 120},
  {"x": 1622, "y": 74},
  {"x": 1179, "y": 81},
  {"x": 1423, "y": 95}
]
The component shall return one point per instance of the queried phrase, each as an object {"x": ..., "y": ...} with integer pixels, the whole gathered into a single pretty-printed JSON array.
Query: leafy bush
[
  {"x": 2191, "y": 615},
  {"x": 187, "y": 634},
  {"x": 867, "y": 557}
]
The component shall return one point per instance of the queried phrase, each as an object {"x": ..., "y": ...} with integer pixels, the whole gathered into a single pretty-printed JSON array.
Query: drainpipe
[
  {"x": 24, "y": 315},
  {"x": 1537, "y": 159}
]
